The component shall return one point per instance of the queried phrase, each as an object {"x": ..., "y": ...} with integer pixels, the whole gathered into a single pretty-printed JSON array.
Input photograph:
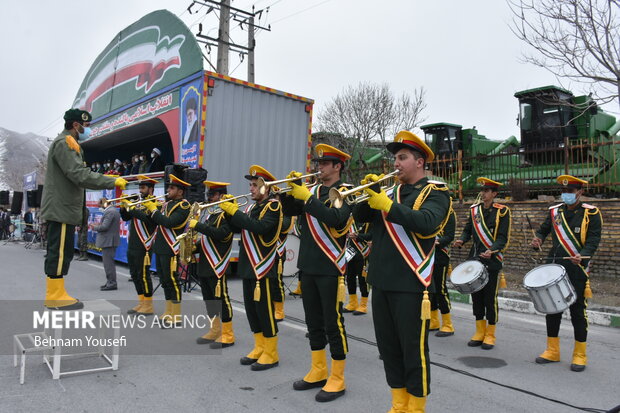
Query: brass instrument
[
  {"x": 187, "y": 240},
  {"x": 337, "y": 197},
  {"x": 124, "y": 196},
  {"x": 289, "y": 189},
  {"x": 364, "y": 197},
  {"x": 211, "y": 206},
  {"x": 145, "y": 200},
  {"x": 263, "y": 186}
]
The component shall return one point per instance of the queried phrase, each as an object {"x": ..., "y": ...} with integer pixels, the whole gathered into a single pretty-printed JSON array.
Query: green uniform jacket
[
  {"x": 444, "y": 239},
  {"x": 134, "y": 243},
  {"x": 387, "y": 269},
  {"x": 216, "y": 227},
  {"x": 501, "y": 238},
  {"x": 574, "y": 218},
  {"x": 267, "y": 227},
  {"x": 312, "y": 260},
  {"x": 174, "y": 216},
  {"x": 65, "y": 180}
]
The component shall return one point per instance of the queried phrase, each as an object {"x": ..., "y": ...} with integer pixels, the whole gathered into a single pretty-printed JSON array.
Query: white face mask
[
  {"x": 153, "y": 155},
  {"x": 142, "y": 158}
]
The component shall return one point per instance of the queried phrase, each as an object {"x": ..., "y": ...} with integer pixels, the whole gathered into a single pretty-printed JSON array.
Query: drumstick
[
  {"x": 585, "y": 257},
  {"x": 532, "y": 229}
]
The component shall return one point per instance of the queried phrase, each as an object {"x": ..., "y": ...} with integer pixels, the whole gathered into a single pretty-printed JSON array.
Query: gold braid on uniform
[
  {"x": 587, "y": 292},
  {"x": 278, "y": 208},
  {"x": 345, "y": 230},
  {"x": 217, "y": 225},
  {"x": 497, "y": 218},
  {"x": 184, "y": 205},
  {"x": 420, "y": 200}
]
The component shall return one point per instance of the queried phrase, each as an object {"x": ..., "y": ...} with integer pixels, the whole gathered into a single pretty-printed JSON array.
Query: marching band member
[
  {"x": 170, "y": 222},
  {"x": 215, "y": 246},
  {"x": 576, "y": 228},
  {"x": 440, "y": 301},
  {"x": 358, "y": 236},
  {"x": 322, "y": 265},
  {"x": 62, "y": 206},
  {"x": 141, "y": 231},
  {"x": 260, "y": 228},
  {"x": 489, "y": 227},
  {"x": 404, "y": 226}
]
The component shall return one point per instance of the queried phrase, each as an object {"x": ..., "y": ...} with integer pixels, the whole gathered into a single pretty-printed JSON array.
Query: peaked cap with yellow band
[
  {"x": 178, "y": 182},
  {"x": 326, "y": 152},
  {"x": 257, "y": 171},
  {"x": 406, "y": 139},
  {"x": 213, "y": 185},
  {"x": 145, "y": 180},
  {"x": 489, "y": 183},
  {"x": 571, "y": 181}
]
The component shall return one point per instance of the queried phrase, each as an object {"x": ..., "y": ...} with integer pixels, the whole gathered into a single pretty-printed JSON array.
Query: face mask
[
  {"x": 569, "y": 198},
  {"x": 84, "y": 135},
  {"x": 152, "y": 155},
  {"x": 142, "y": 158}
]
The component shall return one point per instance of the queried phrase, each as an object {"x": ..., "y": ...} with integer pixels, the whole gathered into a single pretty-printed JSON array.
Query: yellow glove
[
  {"x": 370, "y": 178},
  {"x": 120, "y": 182},
  {"x": 229, "y": 207},
  {"x": 150, "y": 205},
  {"x": 293, "y": 174},
  {"x": 299, "y": 191},
  {"x": 125, "y": 204},
  {"x": 192, "y": 223},
  {"x": 379, "y": 200}
]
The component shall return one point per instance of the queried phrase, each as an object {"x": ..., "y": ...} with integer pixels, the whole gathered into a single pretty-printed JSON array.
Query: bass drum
[{"x": 292, "y": 255}]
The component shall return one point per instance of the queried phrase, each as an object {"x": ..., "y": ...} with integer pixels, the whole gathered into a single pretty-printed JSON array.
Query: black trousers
[
  {"x": 578, "y": 315},
  {"x": 402, "y": 339},
  {"x": 140, "y": 273},
  {"x": 484, "y": 302},
  {"x": 277, "y": 286},
  {"x": 168, "y": 277},
  {"x": 441, "y": 298},
  {"x": 323, "y": 314},
  {"x": 355, "y": 268},
  {"x": 60, "y": 239},
  {"x": 216, "y": 306},
  {"x": 260, "y": 314}
]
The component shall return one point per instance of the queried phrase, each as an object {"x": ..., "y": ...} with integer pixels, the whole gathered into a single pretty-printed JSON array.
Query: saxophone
[{"x": 187, "y": 240}]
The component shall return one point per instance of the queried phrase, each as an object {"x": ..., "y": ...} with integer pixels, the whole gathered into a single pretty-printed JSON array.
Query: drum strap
[
  {"x": 407, "y": 244},
  {"x": 483, "y": 232}
]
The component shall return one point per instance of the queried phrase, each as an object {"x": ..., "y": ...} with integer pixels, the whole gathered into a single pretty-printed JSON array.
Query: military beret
[{"x": 78, "y": 115}]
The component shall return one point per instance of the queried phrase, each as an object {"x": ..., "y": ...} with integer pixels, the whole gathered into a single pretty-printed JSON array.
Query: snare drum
[
  {"x": 292, "y": 254},
  {"x": 550, "y": 288},
  {"x": 469, "y": 277}
]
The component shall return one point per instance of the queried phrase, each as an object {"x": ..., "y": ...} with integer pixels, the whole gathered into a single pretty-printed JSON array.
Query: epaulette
[
  {"x": 185, "y": 204},
  {"x": 556, "y": 206},
  {"x": 72, "y": 144},
  {"x": 499, "y": 206},
  {"x": 588, "y": 206},
  {"x": 438, "y": 183},
  {"x": 475, "y": 205}
]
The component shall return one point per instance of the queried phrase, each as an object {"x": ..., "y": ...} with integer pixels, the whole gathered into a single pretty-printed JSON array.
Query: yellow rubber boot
[
  {"x": 447, "y": 329},
  {"x": 476, "y": 339},
  {"x": 257, "y": 351},
  {"x": 400, "y": 401},
  {"x": 279, "y": 307},
  {"x": 351, "y": 305},
  {"x": 297, "y": 290},
  {"x": 317, "y": 376},
  {"x": 489, "y": 337},
  {"x": 137, "y": 308},
  {"x": 147, "y": 306},
  {"x": 434, "y": 325},
  {"x": 174, "y": 318},
  {"x": 213, "y": 334},
  {"x": 551, "y": 353},
  {"x": 227, "y": 338},
  {"x": 167, "y": 311},
  {"x": 56, "y": 297},
  {"x": 579, "y": 357},
  {"x": 335, "y": 386},
  {"x": 270, "y": 357},
  {"x": 417, "y": 404},
  {"x": 363, "y": 307}
]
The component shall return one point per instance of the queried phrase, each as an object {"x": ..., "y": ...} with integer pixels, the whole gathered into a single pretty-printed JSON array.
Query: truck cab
[{"x": 445, "y": 139}]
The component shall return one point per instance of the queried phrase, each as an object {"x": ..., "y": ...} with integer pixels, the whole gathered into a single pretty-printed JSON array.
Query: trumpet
[
  {"x": 146, "y": 200},
  {"x": 211, "y": 205},
  {"x": 125, "y": 196},
  {"x": 263, "y": 186},
  {"x": 289, "y": 189},
  {"x": 337, "y": 197}
]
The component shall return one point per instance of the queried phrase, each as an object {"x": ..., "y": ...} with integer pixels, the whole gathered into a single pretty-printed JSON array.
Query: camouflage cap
[{"x": 78, "y": 115}]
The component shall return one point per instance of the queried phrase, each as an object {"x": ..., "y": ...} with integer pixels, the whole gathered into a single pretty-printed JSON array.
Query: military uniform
[
  {"x": 489, "y": 229},
  {"x": 278, "y": 286},
  {"x": 575, "y": 230},
  {"x": 355, "y": 270},
  {"x": 440, "y": 301},
  {"x": 63, "y": 204}
]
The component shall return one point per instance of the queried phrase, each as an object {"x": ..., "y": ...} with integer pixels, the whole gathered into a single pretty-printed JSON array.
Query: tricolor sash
[
  {"x": 261, "y": 264},
  {"x": 169, "y": 235},
  {"x": 565, "y": 235},
  {"x": 361, "y": 245},
  {"x": 281, "y": 247},
  {"x": 484, "y": 234},
  {"x": 324, "y": 239},
  {"x": 145, "y": 238},
  {"x": 420, "y": 262}
]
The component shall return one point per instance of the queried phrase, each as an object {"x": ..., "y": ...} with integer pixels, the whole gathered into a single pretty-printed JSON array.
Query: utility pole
[
  {"x": 251, "y": 44},
  {"x": 223, "y": 38}
]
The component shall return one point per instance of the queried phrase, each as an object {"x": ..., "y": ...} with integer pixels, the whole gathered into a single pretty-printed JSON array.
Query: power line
[{"x": 300, "y": 11}]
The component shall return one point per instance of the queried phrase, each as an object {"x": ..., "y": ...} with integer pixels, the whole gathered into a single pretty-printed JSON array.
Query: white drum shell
[
  {"x": 469, "y": 277},
  {"x": 556, "y": 295},
  {"x": 292, "y": 255}
]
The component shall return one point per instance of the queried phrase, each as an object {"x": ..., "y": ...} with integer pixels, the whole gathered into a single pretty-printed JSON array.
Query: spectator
[
  {"x": 157, "y": 164},
  {"x": 144, "y": 164},
  {"x": 29, "y": 220},
  {"x": 118, "y": 167},
  {"x": 108, "y": 238},
  {"x": 5, "y": 223},
  {"x": 83, "y": 236},
  {"x": 135, "y": 165}
]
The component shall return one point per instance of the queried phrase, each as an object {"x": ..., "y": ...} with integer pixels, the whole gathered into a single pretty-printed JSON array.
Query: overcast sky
[{"x": 461, "y": 52}]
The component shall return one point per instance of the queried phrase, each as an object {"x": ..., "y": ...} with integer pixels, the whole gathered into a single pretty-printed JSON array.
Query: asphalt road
[{"x": 464, "y": 379}]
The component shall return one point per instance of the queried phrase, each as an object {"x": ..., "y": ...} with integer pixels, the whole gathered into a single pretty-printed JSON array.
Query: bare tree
[
  {"x": 574, "y": 39},
  {"x": 367, "y": 113}
]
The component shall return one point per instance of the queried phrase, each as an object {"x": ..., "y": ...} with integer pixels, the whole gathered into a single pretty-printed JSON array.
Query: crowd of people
[{"x": 138, "y": 164}]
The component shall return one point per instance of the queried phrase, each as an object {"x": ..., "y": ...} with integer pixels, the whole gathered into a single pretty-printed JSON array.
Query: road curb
[{"x": 527, "y": 307}]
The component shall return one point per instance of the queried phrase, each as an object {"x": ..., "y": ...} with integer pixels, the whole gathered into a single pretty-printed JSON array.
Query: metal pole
[
  {"x": 251, "y": 44},
  {"x": 223, "y": 38}
]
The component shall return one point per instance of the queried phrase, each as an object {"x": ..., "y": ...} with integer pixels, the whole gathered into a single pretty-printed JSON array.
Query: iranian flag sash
[
  {"x": 324, "y": 239},
  {"x": 218, "y": 262},
  {"x": 145, "y": 238},
  {"x": 261, "y": 264},
  {"x": 361, "y": 245},
  {"x": 565, "y": 235},
  {"x": 420, "y": 262},
  {"x": 482, "y": 230}
]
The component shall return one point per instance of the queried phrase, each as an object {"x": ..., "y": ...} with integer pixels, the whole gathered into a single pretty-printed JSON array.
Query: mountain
[{"x": 20, "y": 153}]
